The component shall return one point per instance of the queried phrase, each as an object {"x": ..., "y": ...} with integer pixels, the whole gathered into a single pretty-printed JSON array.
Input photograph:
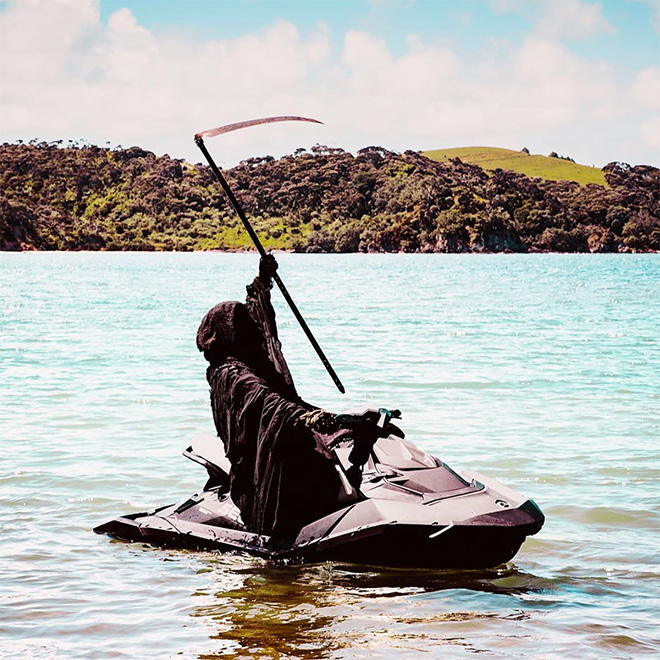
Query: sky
[{"x": 577, "y": 77}]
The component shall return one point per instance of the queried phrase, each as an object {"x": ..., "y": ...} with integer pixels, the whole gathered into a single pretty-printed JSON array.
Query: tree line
[{"x": 85, "y": 197}]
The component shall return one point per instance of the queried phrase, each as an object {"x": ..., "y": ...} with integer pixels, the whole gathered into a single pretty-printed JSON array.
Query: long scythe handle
[{"x": 255, "y": 239}]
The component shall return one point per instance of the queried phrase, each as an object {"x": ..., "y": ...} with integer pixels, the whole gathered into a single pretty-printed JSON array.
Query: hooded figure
[{"x": 282, "y": 475}]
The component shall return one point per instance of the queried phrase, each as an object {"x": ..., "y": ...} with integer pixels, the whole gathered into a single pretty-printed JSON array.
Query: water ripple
[{"x": 540, "y": 370}]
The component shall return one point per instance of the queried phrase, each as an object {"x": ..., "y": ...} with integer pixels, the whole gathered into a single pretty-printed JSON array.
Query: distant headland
[{"x": 84, "y": 197}]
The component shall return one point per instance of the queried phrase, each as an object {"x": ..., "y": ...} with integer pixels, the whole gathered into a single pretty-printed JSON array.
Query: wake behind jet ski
[{"x": 288, "y": 480}]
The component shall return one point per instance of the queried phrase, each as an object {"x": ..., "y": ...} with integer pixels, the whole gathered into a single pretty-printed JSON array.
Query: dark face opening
[{"x": 228, "y": 331}]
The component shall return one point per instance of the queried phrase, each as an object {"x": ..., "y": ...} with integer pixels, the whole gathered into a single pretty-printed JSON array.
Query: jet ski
[{"x": 410, "y": 510}]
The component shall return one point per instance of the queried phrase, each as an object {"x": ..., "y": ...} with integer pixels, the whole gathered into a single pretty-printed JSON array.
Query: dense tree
[{"x": 322, "y": 200}]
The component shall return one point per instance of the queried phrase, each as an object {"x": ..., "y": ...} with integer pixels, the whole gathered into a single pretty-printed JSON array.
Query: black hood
[{"x": 228, "y": 331}]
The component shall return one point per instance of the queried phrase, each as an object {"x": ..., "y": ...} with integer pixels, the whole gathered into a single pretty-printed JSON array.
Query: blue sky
[
  {"x": 466, "y": 24},
  {"x": 574, "y": 76}
]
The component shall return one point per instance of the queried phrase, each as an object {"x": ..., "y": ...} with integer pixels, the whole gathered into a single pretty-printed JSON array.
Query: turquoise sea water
[{"x": 542, "y": 371}]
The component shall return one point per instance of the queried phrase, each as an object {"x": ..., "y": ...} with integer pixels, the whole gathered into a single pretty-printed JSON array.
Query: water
[{"x": 541, "y": 370}]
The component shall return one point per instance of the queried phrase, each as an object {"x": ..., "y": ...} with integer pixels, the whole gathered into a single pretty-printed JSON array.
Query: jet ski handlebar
[
  {"x": 366, "y": 427},
  {"x": 376, "y": 419}
]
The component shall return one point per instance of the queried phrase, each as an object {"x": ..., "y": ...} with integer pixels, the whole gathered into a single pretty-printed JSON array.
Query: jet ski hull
[
  {"x": 412, "y": 511},
  {"x": 477, "y": 543}
]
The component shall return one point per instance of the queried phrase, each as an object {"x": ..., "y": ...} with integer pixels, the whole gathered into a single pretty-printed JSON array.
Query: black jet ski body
[{"x": 412, "y": 510}]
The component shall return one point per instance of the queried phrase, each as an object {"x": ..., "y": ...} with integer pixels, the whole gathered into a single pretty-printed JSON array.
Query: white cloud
[
  {"x": 561, "y": 85},
  {"x": 646, "y": 90},
  {"x": 124, "y": 83},
  {"x": 572, "y": 19},
  {"x": 646, "y": 87},
  {"x": 127, "y": 50},
  {"x": 559, "y": 19},
  {"x": 650, "y": 132}
]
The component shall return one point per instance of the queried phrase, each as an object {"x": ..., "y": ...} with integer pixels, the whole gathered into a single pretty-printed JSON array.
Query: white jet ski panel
[{"x": 412, "y": 510}]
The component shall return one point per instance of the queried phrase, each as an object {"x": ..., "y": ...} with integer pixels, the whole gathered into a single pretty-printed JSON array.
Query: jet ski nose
[
  {"x": 531, "y": 508},
  {"x": 527, "y": 518}
]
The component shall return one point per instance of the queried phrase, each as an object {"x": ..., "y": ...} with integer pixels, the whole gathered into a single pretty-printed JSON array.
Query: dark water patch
[
  {"x": 617, "y": 644},
  {"x": 290, "y": 610}
]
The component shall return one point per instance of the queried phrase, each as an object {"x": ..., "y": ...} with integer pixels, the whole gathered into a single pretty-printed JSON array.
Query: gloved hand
[
  {"x": 363, "y": 444},
  {"x": 267, "y": 268},
  {"x": 354, "y": 474},
  {"x": 320, "y": 420},
  {"x": 367, "y": 424},
  {"x": 365, "y": 431},
  {"x": 362, "y": 448}
]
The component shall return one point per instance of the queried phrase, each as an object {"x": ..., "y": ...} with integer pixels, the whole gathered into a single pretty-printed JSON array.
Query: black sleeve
[
  {"x": 282, "y": 476},
  {"x": 262, "y": 313}
]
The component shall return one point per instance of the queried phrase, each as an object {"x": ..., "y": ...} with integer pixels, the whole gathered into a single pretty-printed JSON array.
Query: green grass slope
[
  {"x": 92, "y": 198},
  {"x": 534, "y": 165}
]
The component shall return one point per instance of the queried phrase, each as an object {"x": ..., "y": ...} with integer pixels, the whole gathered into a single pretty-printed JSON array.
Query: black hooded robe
[{"x": 282, "y": 476}]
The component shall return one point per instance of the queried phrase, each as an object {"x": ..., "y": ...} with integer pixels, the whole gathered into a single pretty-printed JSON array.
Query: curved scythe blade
[
  {"x": 199, "y": 140},
  {"x": 212, "y": 132}
]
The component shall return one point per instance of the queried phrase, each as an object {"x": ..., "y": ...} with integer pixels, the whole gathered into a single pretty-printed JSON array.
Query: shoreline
[
  {"x": 372, "y": 252},
  {"x": 335, "y": 203},
  {"x": 399, "y": 253}
]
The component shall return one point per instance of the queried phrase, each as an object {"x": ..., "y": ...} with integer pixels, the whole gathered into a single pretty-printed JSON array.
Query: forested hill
[{"x": 326, "y": 200}]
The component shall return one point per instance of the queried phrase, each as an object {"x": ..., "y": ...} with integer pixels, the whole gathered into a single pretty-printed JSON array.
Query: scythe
[{"x": 213, "y": 132}]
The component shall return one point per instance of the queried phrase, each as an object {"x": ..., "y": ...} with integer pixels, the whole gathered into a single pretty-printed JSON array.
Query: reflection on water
[{"x": 316, "y": 610}]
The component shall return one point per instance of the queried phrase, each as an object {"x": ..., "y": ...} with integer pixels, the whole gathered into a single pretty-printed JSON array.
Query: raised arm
[{"x": 262, "y": 313}]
